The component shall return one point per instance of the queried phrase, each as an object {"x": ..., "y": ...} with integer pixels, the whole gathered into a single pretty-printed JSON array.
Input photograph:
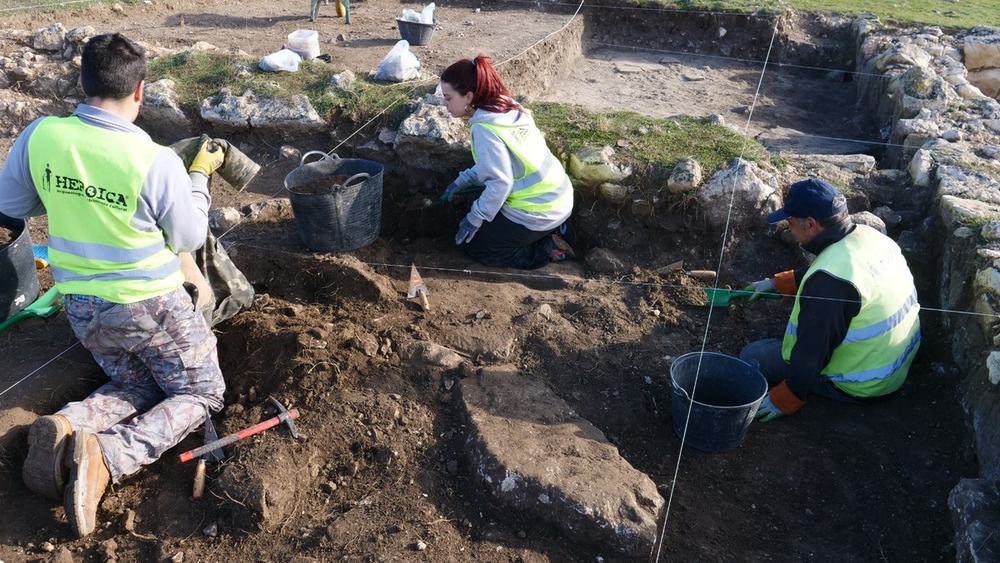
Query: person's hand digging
[
  {"x": 209, "y": 158},
  {"x": 449, "y": 192}
]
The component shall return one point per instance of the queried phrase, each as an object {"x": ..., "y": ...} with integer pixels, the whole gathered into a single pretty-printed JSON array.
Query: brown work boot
[
  {"x": 45, "y": 470},
  {"x": 88, "y": 479}
]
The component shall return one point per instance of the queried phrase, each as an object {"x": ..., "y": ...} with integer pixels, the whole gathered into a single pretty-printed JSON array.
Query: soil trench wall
[{"x": 539, "y": 67}]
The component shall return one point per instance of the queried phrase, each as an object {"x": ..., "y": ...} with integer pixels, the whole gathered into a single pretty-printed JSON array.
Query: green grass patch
[
  {"x": 962, "y": 14},
  {"x": 645, "y": 141},
  {"x": 200, "y": 74},
  {"x": 17, "y": 6}
]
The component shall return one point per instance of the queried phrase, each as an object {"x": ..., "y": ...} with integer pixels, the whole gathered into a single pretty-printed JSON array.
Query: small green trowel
[
  {"x": 720, "y": 297},
  {"x": 43, "y": 307}
]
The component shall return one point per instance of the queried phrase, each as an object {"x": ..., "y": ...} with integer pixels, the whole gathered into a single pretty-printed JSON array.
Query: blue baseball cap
[{"x": 810, "y": 198}]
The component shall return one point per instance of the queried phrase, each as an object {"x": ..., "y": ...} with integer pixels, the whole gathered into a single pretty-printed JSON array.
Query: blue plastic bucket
[{"x": 721, "y": 405}]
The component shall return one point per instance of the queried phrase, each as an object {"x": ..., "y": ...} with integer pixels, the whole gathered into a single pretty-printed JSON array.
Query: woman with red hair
[{"x": 521, "y": 218}]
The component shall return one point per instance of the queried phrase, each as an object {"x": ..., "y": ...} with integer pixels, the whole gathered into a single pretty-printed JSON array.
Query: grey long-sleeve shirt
[{"x": 171, "y": 200}]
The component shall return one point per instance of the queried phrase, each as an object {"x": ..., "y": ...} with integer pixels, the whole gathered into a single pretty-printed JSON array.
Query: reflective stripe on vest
[
  {"x": 884, "y": 336},
  {"x": 91, "y": 198},
  {"x": 544, "y": 185}
]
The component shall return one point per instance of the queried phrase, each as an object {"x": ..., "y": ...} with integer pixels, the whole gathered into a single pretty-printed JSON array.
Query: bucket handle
[
  {"x": 364, "y": 178},
  {"x": 302, "y": 162},
  {"x": 326, "y": 156}
]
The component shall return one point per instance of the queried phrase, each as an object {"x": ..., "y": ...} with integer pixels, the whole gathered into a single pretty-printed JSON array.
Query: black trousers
[{"x": 504, "y": 243}]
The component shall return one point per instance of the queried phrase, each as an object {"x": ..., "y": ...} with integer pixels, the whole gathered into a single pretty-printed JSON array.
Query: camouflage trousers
[{"x": 165, "y": 379}]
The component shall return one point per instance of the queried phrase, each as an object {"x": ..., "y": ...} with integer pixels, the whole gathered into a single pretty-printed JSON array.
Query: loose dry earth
[{"x": 379, "y": 472}]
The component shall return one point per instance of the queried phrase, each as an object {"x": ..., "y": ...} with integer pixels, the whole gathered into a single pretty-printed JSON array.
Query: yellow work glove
[{"x": 209, "y": 158}]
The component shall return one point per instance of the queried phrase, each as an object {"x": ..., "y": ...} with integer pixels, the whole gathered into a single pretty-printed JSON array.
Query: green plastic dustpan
[
  {"x": 720, "y": 297},
  {"x": 43, "y": 307}
]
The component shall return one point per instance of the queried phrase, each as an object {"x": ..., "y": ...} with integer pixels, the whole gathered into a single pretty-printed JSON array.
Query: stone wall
[{"x": 942, "y": 128}]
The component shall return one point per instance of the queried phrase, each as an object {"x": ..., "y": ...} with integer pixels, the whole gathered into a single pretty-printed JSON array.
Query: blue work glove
[
  {"x": 767, "y": 412},
  {"x": 466, "y": 230},
  {"x": 759, "y": 288},
  {"x": 449, "y": 192}
]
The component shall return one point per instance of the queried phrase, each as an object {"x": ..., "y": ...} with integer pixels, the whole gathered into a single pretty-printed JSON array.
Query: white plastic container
[{"x": 305, "y": 42}]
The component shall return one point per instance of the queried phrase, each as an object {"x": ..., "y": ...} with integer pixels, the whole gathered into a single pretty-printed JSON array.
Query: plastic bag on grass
[
  {"x": 285, "y": 60},
  {"x": 399, "y": 65}
]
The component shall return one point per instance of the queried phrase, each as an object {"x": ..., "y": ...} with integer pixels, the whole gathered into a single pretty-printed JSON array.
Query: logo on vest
[
  {"x": 520, "y": 135},
  {"x": 95, "y": 194}
]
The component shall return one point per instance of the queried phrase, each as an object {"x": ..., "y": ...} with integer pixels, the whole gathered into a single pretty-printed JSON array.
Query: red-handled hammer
[{"x": 284, "y": 417}]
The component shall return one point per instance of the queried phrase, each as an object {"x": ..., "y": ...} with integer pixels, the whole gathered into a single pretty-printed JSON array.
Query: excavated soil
[{"x": 378, "y": 473}]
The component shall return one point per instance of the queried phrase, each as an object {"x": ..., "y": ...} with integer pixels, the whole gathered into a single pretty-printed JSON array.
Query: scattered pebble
[
  {"x": 47, "y": 547},
  {"x": 420, "y": 546},
  {"x": 290, "y": 153},
  {"x": 178, "y": 557},
  {"x": 212, "y": 530}
]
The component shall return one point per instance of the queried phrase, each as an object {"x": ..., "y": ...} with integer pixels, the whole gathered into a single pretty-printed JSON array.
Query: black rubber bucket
[
  {"x": 723, "y": 403},
  {"x": 415, "y": 33},
  {"x": 18, "y": 279},
  {"x": 341, "y": 216}
]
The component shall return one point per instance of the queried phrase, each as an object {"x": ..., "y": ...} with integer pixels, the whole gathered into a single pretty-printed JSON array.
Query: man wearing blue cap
[{"x": 854, "y": 328}]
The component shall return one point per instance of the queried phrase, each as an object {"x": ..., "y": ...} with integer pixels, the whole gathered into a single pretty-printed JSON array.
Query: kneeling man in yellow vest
[
  {"x": 120, "y": 209},
  {"x": 854, "y": 328}
]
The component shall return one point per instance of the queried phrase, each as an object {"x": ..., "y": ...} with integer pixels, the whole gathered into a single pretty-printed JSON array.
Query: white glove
[{"x": 759, "y": 288}]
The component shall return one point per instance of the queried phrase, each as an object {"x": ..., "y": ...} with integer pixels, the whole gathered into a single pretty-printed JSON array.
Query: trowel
[
  {"x": 43, "y": 307},
  {"x": 428, "y": 202},
  {"x": 418, "y": 289},
  {"x": 720, "y": 297}
]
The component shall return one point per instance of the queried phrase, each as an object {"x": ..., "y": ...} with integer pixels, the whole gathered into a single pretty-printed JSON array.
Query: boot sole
[
  {"x": 82, "y": 519},
  {"x": 44, "y": 472}
]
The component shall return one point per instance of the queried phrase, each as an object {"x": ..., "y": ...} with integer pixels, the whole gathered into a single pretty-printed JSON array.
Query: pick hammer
[{"x": 284, "y": 416}]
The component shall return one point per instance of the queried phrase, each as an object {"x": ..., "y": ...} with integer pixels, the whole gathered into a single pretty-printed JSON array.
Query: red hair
[{"x": 480, "y": 77}]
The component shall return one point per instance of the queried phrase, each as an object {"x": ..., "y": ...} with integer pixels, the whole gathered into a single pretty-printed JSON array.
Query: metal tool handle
[
  {"x": 245, "y": 433},
  {"x": 198, "y": 489}
]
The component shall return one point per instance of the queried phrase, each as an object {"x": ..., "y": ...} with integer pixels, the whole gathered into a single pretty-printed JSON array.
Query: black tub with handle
[
  {"x": 345, "y": 217},
  {"x": 18, "y": 279}
]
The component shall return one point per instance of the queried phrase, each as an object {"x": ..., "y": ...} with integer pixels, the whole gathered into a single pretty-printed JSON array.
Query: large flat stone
[{"x": 532, "y": 453}]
